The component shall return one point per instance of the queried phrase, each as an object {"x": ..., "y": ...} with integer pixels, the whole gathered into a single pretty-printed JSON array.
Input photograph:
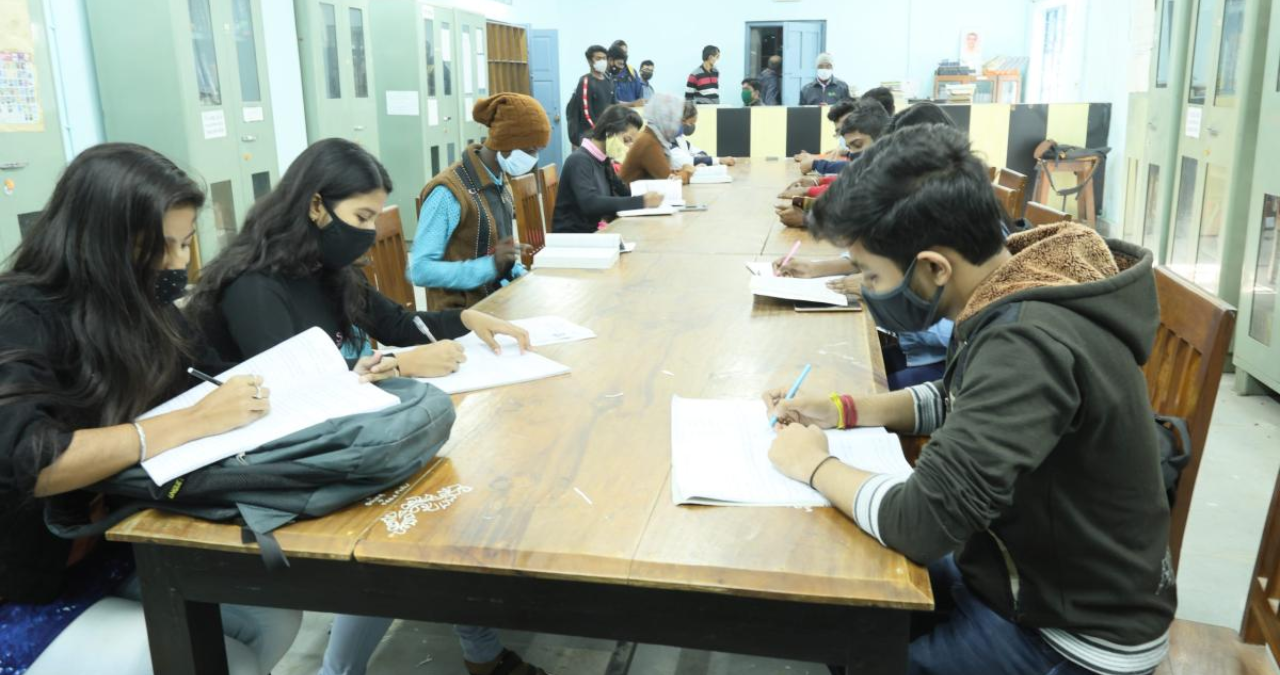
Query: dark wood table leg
[{"x": 185, "y": 637}]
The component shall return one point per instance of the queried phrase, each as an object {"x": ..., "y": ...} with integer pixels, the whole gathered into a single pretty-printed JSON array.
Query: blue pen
[{"x": 794, "y": 388}]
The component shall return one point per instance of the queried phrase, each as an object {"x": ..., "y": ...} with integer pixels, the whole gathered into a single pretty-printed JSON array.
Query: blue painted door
[
  {"x": 544, "y": 70},
  {"x": 802, "y": 41}
]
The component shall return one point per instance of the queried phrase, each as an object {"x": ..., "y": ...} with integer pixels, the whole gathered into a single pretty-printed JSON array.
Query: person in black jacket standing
[
  {"x": 591, "y": 95},
  {"x": 1039, "y": 502},
  {"x": 590, "y": 190}
]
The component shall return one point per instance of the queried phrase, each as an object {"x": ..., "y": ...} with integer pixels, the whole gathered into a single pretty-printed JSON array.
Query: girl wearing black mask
[
  {"x": 293, "y": 267},
  {"x": 89, "y": 340}
]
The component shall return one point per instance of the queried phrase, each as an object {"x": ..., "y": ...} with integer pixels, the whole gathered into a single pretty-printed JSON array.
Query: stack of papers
[
  {"x": 309, "y": 382},
  {"x": 579, "y": 251},
  {"x": 543, "y": 331},
  {"x": 803, "y": 290},
  {"x": 704, "y": 175},
  {"x": 720, "y": 455}
]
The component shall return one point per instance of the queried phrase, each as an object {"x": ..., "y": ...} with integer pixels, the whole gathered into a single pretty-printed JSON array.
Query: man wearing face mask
[
  {"x": 465, "y": 248},
  {"x": 626, "y": 82},
  {"x": 593, "y": 93},
  {"x": 1038, "y": 504},
  {"x": 703, "y": 85},
  {"x": 771, "y": 82},
  {"x": 827, "y": 89},
  {"x": 646, "y": 74}
]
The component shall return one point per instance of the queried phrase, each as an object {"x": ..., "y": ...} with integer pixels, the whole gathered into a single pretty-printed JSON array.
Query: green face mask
[{"x": 747, "y": 97}]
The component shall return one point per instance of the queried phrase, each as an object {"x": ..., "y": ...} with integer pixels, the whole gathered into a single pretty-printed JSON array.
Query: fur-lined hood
[{"x": 1108, "y": 281}]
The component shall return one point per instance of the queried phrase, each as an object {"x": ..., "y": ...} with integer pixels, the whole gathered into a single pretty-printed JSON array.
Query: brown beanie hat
[{"x": 515, "y": 121}]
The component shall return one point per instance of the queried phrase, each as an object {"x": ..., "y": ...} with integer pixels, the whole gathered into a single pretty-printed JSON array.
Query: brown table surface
[{"x": 568, "y": 479}]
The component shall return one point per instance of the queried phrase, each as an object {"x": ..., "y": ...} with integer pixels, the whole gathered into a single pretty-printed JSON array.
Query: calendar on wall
[{"x": 19, "y": 95}]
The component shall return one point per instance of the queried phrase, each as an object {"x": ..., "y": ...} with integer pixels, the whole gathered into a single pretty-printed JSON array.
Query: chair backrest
[
  {"x": 1038, "y": 214},
  {"x": 1184, "y": 371},
  {"x": 387, "y": 273},
  {"x": 1007, "y": 198},
  {"x": 1018, "y": 183},
  {"x": 524, "y": 190},
  {"x": 1261, "y": 623},
  {"x": 992, "y": 171},
  {"x": 549, "y": 183}
]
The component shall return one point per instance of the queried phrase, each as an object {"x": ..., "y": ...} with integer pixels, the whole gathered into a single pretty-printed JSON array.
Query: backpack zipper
[{"x": 1015, "y": 583}]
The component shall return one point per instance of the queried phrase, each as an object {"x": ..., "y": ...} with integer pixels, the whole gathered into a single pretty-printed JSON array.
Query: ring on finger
[{"x": 257, "y": 391}]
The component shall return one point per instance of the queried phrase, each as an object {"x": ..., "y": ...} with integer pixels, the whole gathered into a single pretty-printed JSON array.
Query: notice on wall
[
  {"x": 433, "y": 112},
  {"x": 468, "y": 84},
  {"x": 214, "y": 124},
  {"x": 19, "y": 96},
  {"x": 402, "y": 102},
  {"x": 1195, "y": 115},
  {"x": 253, "y": 113}
]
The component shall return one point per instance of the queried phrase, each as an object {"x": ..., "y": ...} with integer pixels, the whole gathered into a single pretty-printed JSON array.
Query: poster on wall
[
  {"x": 971, "y": 49},
  {"x": 19, "y": 96}
]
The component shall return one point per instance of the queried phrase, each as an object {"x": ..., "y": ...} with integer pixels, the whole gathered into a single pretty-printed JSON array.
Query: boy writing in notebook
[{"x": 1038, "y": 503}]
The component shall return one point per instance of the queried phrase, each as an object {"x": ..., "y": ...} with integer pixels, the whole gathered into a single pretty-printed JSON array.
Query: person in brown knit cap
[{"x": 465, "y": 249}]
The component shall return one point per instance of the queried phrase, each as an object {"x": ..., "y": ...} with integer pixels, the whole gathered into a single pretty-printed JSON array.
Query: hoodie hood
[{"x": 1106, "y": 281}]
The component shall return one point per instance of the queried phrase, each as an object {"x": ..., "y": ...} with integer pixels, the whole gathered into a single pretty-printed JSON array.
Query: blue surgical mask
[
  {"x": 517, "y": 162},
  {"x": 901, "y": 310}
]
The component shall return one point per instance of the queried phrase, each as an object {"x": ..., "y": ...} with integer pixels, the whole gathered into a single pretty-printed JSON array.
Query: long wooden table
[{"x": 550, "y": 507}]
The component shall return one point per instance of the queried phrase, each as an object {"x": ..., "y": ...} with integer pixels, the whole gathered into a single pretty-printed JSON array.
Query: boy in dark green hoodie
[{"x": 1038, "y": 503}]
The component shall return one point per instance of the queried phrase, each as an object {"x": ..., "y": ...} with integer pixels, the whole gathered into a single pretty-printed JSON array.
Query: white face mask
[
  {"x": 824, "y": 74},
  {"x": 600, "y": 66},
  {"x": 517, "y": 162}
]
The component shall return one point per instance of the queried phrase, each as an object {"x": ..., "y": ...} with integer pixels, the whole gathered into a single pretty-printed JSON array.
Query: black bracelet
[{"x": 819, "y": 466}]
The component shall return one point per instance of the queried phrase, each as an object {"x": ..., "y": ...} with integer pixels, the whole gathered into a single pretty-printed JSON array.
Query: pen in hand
[{"x": 206, "y": 377}]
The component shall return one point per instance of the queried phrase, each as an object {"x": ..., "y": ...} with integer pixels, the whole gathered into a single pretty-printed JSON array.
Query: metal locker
[{"x": 337, "y": 70}]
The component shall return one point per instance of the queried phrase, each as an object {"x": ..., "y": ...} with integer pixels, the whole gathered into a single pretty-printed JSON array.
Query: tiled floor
[{"x": 1234, "y": 488}]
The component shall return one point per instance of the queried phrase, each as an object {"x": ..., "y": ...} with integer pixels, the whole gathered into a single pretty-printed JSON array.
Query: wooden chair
[
  {"x": 1184, "y": 371},
  {"x": 1018, "y": 183},
  {"x": 1006, "y": 197},
  {"x": 1261, "y": 623},
  {"x": 1038, "y": 214},
  {"x": 389, "y": 259},
  {"x": 549, "y": 184},
  {"x": 992, "y": 172},
  {"x": 524, "y": 190}
]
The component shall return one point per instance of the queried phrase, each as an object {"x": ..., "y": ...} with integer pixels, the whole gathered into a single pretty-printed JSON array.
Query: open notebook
[
  {"x": 720, "y": 455},
  {"x": 705, "y": 175},
  {"x": 484, "y": 370},
  {"x": 804, "y": 290},
  {"x": 309, "y": 382}
]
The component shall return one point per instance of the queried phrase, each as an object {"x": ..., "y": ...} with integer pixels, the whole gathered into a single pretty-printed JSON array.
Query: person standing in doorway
[
  {"x": 646, "y": 74},
  {"x": 827, "y": 88},
  {"x": 703, "y": 85},
  {"x": 593, "y": 93},
  {"x": 771, "y": 82}
]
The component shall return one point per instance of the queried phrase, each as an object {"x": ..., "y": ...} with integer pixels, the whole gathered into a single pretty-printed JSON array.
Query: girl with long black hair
[
  {"x": 90, "y": 339},
  {"x": 292, "y": 267}
]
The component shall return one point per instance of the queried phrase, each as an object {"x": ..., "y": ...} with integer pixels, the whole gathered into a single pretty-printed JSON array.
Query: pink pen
[{"x": 795, "y": 247}]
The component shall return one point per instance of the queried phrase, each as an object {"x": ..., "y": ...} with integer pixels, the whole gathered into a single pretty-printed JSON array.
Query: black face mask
[
  {"x": 688, "y": 129},
  {"x": 341, "y": 243},
  {"x": 900, "y": 310},
  {"x": 645, "y": 75},
  {"x": 170, "y": 285}
]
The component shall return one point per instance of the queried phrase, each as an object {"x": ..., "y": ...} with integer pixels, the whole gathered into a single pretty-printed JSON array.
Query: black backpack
[{"x": 307, "y": 474}]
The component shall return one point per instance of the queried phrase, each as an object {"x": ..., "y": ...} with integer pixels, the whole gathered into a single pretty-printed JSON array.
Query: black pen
[{"x": 207, "y": 378}]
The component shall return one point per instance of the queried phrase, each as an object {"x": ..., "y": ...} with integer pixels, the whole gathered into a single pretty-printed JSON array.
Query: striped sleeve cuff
[
  {"x": 930, "y": 409},
  {"x": 866, "y": 504}
]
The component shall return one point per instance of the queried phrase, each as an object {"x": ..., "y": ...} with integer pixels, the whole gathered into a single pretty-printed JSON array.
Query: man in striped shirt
[{"x": 703, "y": 85}]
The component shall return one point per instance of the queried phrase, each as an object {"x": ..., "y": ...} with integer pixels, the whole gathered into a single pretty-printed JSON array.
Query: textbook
[
  {"x": 579, "y": 251},
  {"x": 309, "y": 383},
  {"x": 720, "y": 455},
  {"x": 672, "y": 194},
  {"x": 804, "y": 290}
]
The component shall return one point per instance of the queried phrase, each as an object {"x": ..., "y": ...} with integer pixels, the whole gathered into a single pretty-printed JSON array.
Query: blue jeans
[
  {"x": 975, "y": 639},
  {"x": 353, "y": 639}
]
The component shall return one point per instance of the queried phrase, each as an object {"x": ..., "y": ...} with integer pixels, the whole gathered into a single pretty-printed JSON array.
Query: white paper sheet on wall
[
  {"x": 468, "y": 84},
  {"x": 433, "y": 112},
  {"x": 402, "y": 102},
  {"x": 253, "y": 113},
  {"x": 1195, "y": 115},
  {"x": 214, "y": 124}
]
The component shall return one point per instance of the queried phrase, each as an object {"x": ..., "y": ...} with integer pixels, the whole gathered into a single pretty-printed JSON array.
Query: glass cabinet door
[{"x": 1262, "y": 295}]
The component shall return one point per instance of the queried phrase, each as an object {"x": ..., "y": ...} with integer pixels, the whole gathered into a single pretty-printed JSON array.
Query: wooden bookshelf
[{"x": 508, "y": 58}]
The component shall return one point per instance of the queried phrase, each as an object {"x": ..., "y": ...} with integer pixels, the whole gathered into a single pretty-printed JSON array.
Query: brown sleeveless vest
[{"x": 487, "y": 213}]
